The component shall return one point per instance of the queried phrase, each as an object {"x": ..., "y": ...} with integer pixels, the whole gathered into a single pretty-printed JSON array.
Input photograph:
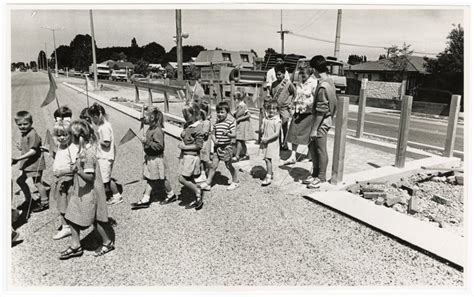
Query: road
[
  {"x": 386, "y": 123},
  {"x": 250, "y": 236}
]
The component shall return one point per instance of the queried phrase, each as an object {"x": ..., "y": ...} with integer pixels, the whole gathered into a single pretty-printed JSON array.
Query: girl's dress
[
  {"x": 190, "y": 164},
  {"x": 88, "y": 201},
  {"x": 62, "y": 187},
  {"x": 206, "y": 146},
  {"x": 154, "y": 167},
  {"x": 244, "y": 128},
  {"x": 271, "y": 150}
]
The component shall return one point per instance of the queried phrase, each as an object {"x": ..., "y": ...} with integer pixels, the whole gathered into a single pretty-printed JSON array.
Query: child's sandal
[
  {"x": 70, "y": 253},
  {"x": 104, "y": 249}
]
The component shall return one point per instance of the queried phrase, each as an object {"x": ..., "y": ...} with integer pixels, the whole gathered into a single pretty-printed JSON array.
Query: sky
[{"x": 239, "y": 29}]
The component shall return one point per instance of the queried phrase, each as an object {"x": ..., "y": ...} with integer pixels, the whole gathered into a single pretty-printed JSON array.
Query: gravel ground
[{"x": 250, "y": 236}]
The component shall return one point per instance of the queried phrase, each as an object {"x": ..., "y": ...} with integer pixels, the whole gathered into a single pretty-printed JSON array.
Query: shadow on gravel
[
  {"x": 186, "y": 196},
  {"x": 297, "y": 173},
  {"x": 258, "y": 172},
  {"x": 220, "y": 179},
  {"x": 93, "y": 241}
]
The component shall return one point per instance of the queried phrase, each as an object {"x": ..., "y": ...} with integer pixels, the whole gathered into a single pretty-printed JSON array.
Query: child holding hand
[
  {"x": 205, "y": 154},
  {"x": 192, "y": 141},
  {"x": 64, "y": 160},
  {"x": 269, "y": 146},
  {"x": 87, "y": 205},
  {"x": 244, "y": 127},
  {"x": 31, "y": 160},
  {"x": 155, "y": 167}
]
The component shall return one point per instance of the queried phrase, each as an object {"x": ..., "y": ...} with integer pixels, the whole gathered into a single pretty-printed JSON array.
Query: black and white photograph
[{"x": 236, "y": 146}]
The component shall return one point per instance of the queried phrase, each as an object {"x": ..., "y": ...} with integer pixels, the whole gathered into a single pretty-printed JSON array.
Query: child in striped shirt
[{"x": 223, "y": 132}]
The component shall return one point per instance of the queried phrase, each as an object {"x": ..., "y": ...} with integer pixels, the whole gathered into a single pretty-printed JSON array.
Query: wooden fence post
[
  {"x": 339, "y": 151},
  {"x": 150, "y": 96},
  {"x": 166, "y": 103},
  {"x": 361, "y": 113},
  {"x": 403, "y": 131},
  {"x": 403, "y": 89},
  {"x": 137, "y": 94},
  {"x": 452, "y": 125},
  {"x": 260, "y": 113}
]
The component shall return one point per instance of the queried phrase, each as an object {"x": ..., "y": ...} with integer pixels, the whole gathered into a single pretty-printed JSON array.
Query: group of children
[{"x": 84, "y": 152}]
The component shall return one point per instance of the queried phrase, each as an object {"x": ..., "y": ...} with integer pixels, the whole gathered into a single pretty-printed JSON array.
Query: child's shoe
[
  {"x": 267, "y": 181},
  {"x": 15, "y": 236},
  {"x": 64, "y": 232},
  {"x": 40, "y": 207},
  {"x": 115, "y": 200},
  {"x": 233, "y": 186},
  {"x": 202, "y": 178},
  {"x": 315, "y": 184},
  {"x": 204, "y": 186}
]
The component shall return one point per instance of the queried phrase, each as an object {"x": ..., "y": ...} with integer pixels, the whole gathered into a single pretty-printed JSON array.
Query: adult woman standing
[
  {"x": 324, "y": 109},
  {"x": 302, "y": 119}
]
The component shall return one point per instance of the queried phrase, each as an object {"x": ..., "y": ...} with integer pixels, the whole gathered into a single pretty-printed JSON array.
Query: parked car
[
  {"x": 119, "y": 75},
  {"x": 136, "y": 76}
]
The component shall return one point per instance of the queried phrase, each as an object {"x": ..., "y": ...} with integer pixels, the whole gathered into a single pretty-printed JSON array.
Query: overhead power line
[{"x": 351, "y": 44}]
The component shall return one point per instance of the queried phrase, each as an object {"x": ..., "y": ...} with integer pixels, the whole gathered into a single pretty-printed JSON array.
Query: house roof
[{"x": 416, "y": 64}]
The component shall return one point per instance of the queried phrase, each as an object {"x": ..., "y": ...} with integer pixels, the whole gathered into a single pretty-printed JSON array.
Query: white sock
[
  {"x": 146, "y": 198},
  {"x": 170, "y": 194},
  {"x": 66, "y": 226},
  {"x": 117, "y": 195}
]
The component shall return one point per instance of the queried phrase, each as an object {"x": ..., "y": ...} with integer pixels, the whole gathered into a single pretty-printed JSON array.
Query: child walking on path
[
  {"x": 64, "y": 160},
  {"x": 223, "y": 133},
  {"x": 270, "y": 147},
  {"x": 244, "y": 127},
  {"x": 87, "y": 204},
  {"x": 155, "y": 168},
  {"x": 31, "y": 161},
  {"x": 105, "y": 151},
  {"x": 205, "y": 154},
  {"x": 192, "y": 141}
]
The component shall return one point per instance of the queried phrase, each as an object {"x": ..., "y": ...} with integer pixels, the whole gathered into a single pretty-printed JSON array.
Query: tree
[
  {"x": 64, "y": 56},
  {"x": 42, "y": 60},
  {"x": 269, "y": 51},
  {"x": 153, "y": 53},
  {"x": 399, "y": 58},
  {"x": 141, "y": 67},
  {"x": 33, "y": 64},
  {"x": 134, "y": 42},
  {"x": 381, "y": 57},
  {"x": 192, "y": 72},
  {"x": 355, "y": 59},
  {"x": 451, "y": 60},
  {"x": 81, "y": 48}
]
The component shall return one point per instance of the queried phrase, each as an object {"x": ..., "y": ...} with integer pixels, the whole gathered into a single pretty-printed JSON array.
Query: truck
[{"x": 336, "y": 72}]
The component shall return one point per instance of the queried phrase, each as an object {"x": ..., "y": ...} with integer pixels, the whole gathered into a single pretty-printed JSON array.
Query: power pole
[
  {"x": 179, "y": 45},
  {"x": 94, "y": 61},
  {"x": 54, "y": 43},
  {"x": 338, "y": 33},
  {"x": 282, "y": 33}
]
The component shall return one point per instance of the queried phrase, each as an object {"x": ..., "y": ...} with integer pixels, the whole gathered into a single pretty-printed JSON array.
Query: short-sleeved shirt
[
  {"x": 228, "y": 124},
  {"x": 31, "y": 140},
  {"x": 106, "y": 134},
  {"x": 65, "y": 158},
  {"x": 305, "y": 95},
  {"x": 271, "y": 76},
  {"x": 283, "y": 91},
  {"x": 154, "y": 142},
  {"x": 193, "y": 134}
]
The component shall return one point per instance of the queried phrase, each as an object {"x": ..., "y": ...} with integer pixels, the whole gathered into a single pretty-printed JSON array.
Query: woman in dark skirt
[{"x": 302, "y": 120}]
